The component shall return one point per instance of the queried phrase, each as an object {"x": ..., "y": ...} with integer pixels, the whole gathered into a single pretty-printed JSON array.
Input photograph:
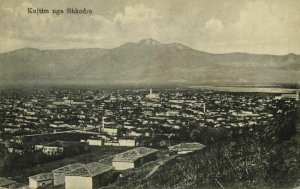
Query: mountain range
[{"x": 147, "y": 62}]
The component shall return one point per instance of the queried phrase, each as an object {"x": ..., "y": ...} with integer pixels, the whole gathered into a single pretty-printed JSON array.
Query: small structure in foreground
[
  {"x": 87, "y": 176},
  {"x": 59, "y": 173},
  {"x": 39, "y": 180},
  {"x": 133, "y": 158},
  {"x": 185, "y": 148}
]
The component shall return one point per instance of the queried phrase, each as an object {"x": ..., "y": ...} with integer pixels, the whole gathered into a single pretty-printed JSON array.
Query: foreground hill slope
[{"x": 266, "y": 157}]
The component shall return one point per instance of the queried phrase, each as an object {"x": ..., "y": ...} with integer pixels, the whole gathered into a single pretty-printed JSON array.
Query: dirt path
[{"x": 155, "y": 168}]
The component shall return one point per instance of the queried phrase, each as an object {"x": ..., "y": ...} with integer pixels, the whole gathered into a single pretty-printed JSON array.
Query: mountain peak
[
  {"x": 28, "y": 49},
  {"x": 178, "y": 46},
  {"x": 150, "y": 42},
  {"x": 127, "y": 45},
  {"x": 291, "y": 54}
]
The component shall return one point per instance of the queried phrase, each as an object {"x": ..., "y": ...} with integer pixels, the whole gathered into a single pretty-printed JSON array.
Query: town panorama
[{"x": 117, "y": 138}]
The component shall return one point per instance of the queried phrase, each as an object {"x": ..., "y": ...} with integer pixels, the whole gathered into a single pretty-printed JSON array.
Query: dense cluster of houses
[
  {"x": 132, "y": 110},
  {"x": 132, "y": 113}
]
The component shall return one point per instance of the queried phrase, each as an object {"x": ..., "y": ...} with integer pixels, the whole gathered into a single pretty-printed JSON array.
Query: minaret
[
  {"x": 99, "y": 128},
  {"x": 103, "y": 123},
  {"x": 150, "y": 91},
  {"x": 297, "y": 97}
]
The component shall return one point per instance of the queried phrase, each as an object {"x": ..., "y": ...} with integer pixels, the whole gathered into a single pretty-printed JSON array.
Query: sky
[{"x": 217, "y": 26}]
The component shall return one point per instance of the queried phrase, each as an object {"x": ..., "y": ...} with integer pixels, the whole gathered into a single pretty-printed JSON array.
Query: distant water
[{"x": 247, "y": 89}]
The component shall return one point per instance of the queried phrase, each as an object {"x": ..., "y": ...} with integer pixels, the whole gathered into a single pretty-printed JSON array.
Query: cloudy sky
[{"x": 262, "y": 26}]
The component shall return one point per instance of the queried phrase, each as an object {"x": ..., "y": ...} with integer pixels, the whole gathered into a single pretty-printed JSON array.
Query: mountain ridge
[{"x": 147, "y": 61}]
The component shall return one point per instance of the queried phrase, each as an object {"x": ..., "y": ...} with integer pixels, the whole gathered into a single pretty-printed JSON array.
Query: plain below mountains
[{"x": 147, "y": 62}]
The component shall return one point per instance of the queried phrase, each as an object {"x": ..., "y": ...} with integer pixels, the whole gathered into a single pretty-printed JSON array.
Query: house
[
  {"x": 39, "y": 180},
  {"x": 38, "y": 147},
  {"x": 110, "y": 131},
  {"x": 6, "y": 183},
  {"x": 111, "y": 143},
  {"x": 59, "y": 173},
  {"x": 127, "y": 142},
  {"x": 87, "y": 176},
  {"x": 96, "y": 142},
  {"x": 59, "y": 147},
  {"x": 185, "y": 148},
  {"x": 10, "y": 150},
  {"x": 133, "y": 158},
  {"x": 19, "y": 151},
  {"x": 53, "y": 149},
  {"x": 290, "y": 96}
]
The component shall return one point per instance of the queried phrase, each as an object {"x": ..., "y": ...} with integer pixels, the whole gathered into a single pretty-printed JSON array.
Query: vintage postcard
[{"x": 150, "y": 94}]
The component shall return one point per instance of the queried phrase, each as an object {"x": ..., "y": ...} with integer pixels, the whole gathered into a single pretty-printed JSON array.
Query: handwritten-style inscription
[{"x": 76, "y": 11}]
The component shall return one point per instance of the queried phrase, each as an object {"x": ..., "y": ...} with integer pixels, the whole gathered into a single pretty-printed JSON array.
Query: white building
[
  {"x": 39, "y": 180},
  {"x": 152, "y": 96},
  {"x": 127, "y": 142},
  {"x": 87, "y": 176},
  {"x": 133, "y": 158},
  {"x": 111, "y": 143},
  {"x": 290, "y": 96},
  {"x": 38, "y": 147},
  {"x": 185, "y": 148},
  {"x": 53, "y": 150},
  {"x": 59, "y": 173},
  {"x": 96, "y": 142},
  {"x": 59, "y": 147},
  {"x": 110, "y": 131}
]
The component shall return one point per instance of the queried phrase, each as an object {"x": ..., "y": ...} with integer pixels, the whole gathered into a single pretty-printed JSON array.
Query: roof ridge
[
  {"x": 139, "y": 154},
  {"x": 88, "y": 170}
]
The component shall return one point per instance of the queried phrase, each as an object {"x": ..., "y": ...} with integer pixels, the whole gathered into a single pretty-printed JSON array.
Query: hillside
[
  {"x": 266, "y": 157},
  {"x": 145, "y": 62}
]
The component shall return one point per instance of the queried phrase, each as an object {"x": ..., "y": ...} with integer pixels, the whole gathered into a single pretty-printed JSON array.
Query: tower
[
  {"x": 204, "y": 107},
  {"x": 152, "y": 96},
  {"x": 99, "y": 128}
]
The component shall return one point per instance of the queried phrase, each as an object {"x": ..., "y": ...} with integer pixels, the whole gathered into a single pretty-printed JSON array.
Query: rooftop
[
  {"x": 134, "y": 154},
  {"x": 67, "y": 168},
  {"x": 90, "y": 170},
  {"x": 60, "y": 143},
  {"x": 187, "y": 147},
  {"x": 5, "y": 182},
  {"x": 42, "y": 177}
]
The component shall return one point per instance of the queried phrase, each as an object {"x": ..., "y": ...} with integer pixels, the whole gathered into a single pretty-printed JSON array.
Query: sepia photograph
[{"x": 150, "y": 94}]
